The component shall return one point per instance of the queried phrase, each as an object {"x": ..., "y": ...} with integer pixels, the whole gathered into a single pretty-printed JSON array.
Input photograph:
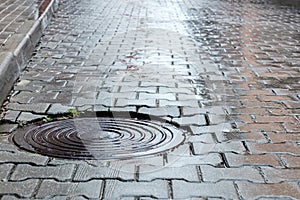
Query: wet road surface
[{"x": 226, "y": 72}]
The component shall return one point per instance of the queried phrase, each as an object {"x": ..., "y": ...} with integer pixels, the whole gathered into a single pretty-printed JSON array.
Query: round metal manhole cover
[{"x": 99, "y": 138}]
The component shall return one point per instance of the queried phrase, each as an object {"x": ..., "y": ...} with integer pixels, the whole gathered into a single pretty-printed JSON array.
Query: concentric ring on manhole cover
[{"x": 99, "y": 138}]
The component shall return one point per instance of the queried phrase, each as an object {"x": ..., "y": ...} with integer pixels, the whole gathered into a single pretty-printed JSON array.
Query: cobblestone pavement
[{"x": 225, "y": 71}]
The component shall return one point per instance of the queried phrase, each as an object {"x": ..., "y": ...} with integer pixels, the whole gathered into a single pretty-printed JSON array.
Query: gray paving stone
[
  {"x": 157, "y": 160},
  {"x": 27, "y": 117},
  {"x": 145, "y": 96},
  {"x": 206, "y": 138},
  {"x": 37, "y": 107},
  {"x": 59, "y": 108},
  {"x": 151, "y": 90},
  {"x": 23, "y": 188},
  {"x": 89, "y": 189},
  {"x": 8, "y": 128},
  {"x": 23, "y": 97},
  {"x": 162, "y": 111},
  {"x": 212, "y": 174},
  {"x": 124, "y": 95},
  {"x": 84, "y": 101},
  {"x": 86, "y": 173},
  {"x": 188, "y": 97},
  {"x": 181, "y": 151},
  {"x": 185, "y": 190},
  {"x": 104, "y": 102},
  {"x": 5, "y": 170},
  {"x": 235, "y": 147},
  {"x": 188, "y": 103},
  {"x": 153, "y": 84},
  {"x": 123, "y": 109},
  {"x": 213, "y": 159},
  {"x": 22, "y": 157},
  {"x": 217, "y": 129},
  {"x": 193, "y": 111},
  {"x": 166, "y": 90},
  {"x": 193, "y": 120},
  {"x": 130, "y": 102},
  {"x": 215, "y": 119},
  {"x": 9, "y": 197},
  {"x": 150, "y": 173},
  {"x": 117, "y": 189},
  {"x": 60, "y": 172},
  {"x": 11, "y": 115},
  {"x": 6, "y": 145}
]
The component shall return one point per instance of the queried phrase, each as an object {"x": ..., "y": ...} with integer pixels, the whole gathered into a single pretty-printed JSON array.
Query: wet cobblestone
[{"x": 226, "y": 71}]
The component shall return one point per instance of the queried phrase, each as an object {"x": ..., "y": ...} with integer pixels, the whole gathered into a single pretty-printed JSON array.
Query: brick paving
[
  {"x": 226, "y": 71},
  {"x": 16, "y": 16},
  {"x": 21, "y": 25}
]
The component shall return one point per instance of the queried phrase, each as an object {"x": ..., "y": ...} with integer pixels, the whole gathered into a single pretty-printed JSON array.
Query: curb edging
[{"x": 15, "y": 62}]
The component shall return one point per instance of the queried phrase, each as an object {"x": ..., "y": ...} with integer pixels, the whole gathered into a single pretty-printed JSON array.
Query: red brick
[
  {"x": 245, "y": 118},
  {"x": 244, "y": 160},
  {"x": 280, "y": 111},
  {"x": 257, "y": 111},
  {"x": 254, "y": 191},
  {"x": 259, "y": 104},
  {"x": 292, "y": 127},
  {"x": 275, "y": 119},
  {"x": 283, "y": 137},
  {"x": 249, "y": 98},
  {"x": 237, "y": 136},
  {"x": 291, "y": 161},
  {"x": 274, "y": 98},
  {"x": 259, "y": 92},
  {"x": 280, "y": 175},
  {"x": 274, "y": 148},
  {"x": 292, "y": 104},
  {"x": 260, "y": 127}
]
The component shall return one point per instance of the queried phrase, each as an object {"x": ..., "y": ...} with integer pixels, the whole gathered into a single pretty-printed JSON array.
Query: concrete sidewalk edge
[{"x": 15, "y": 62}]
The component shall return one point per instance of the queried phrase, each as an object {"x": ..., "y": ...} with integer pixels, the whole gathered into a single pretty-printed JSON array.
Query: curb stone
[{"x": 13, "y": 63}]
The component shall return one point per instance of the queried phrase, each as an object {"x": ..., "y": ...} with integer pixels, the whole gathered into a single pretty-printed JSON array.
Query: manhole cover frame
[{"x": 178, "y": 136}]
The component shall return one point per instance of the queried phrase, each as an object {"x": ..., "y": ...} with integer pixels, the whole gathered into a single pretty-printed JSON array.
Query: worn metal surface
[{"x": 99, "y": 138}]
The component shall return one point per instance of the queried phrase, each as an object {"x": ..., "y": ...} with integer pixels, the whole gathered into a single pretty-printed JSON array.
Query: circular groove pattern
[{"x": 99, "y": 138}]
